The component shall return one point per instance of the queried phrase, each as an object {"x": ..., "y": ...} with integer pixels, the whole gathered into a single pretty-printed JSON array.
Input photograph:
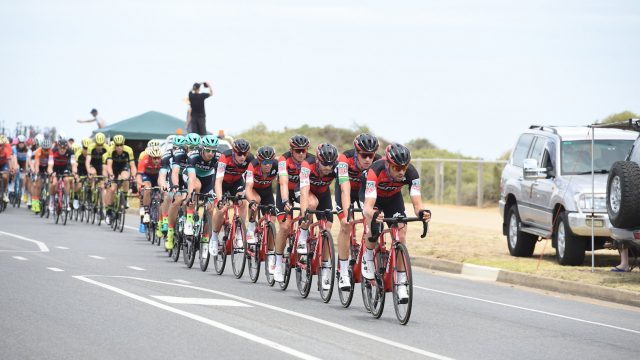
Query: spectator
[
  {"x": 624, "y": 261},
  {"x": 188, "y": 125},
  {"x": 98, "y": 120},
  {"x": 198, "y": 121},
  {"x": 71, "y": 141}
]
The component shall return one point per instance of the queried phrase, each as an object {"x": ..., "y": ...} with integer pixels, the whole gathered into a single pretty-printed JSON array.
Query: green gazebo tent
[{"x": 147, "y": 126}]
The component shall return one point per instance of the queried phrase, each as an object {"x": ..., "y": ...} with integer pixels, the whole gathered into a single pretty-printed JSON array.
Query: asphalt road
[{"x": 84, "y": 292}]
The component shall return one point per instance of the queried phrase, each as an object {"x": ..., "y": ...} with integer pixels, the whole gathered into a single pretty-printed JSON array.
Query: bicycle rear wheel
[
  {"x": 238, "y": 256},
  {"x": 327, "y": 245},
  {"x": 123, "y": 210},
  {"x": 377, "y": 294},
  {"x": 220, "y": 260},
  {"x": 286, "y": 262},
  {"x": 65, "y": 207},
  {"x": 403, "y": 307},
  {"x": 271, "y": 231},
  {"x": 56, "y": 208},
  {"x": 204, "y": 246},
  {"x": 177, "y": 245},
  {"x": 304, "y": 273},
  {"x": 189, "y": 254}
]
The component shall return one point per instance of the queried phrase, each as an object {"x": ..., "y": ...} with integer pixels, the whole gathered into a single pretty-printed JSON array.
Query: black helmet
[
  {"x": 398, "y": 154},
  {"x": 266, "y": 153},
  {"x": 62, "y": 142},
  {"x": 299, "y": 141},
  {"x": 366, "y": 143},
  {"x": 326, "y": 154},
  {"x": 241, "y": 146}
]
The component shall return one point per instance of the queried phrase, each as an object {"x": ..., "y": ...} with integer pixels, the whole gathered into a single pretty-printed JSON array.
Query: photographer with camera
[{"x": 197, "y": 123}]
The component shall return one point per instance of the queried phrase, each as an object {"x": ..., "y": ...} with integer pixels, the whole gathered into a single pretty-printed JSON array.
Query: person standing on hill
[
  {"x": 98, "y": 120},
  {"x": 198, "y": 123}
]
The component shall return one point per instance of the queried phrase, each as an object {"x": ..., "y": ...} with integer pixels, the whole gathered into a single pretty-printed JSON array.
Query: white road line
[
  {"x": 346, "y": 329},
  {"x": 199, "y": 301},
  {"x": 221, "y": 326},
  {"x": 528, "y": 309},
  {"x": 62, "y": 248},
  {"x": 96, "y": 257},
  {"x": 42, "y": 246},
  {"x": 182, "y": 281},
  {"x": 19, "y": 258},
  {"x": 136, "y": 268},
  {"x": 54, "y": 269}
]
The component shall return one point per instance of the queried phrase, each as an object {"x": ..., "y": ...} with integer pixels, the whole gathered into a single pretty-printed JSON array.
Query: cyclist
[
  {"x": 178, "y": 182},
  {"x": 164, "y": 182},
  {"x": 120, "y": 161},
  {"x": 232, "y": 166},
  {"x": 39, "y": 169},
  {"x": 94, "y": 164},
  {"x": 6, "y": 165},
  {"x": 21, "y": 153},
  {"x": 355, "y": 161},
  {"x": 148, "y": 170},
  {"x": 383, "y": 191},
  {"x": 289, "y": 165},
  {"x": 316, "y": 174},
  {"x": 201, "y": 167},
  {"x": 81, "y": 157},
  {"x": 259, "y": 178},
  {"x": 61, "y": 161}
]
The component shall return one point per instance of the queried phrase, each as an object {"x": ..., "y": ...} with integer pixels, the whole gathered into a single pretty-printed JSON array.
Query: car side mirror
[{"x": 531, "y": 171}]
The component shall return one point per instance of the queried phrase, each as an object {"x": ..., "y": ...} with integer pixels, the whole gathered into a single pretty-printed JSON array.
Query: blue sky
[{"x": 467, "y": 75}]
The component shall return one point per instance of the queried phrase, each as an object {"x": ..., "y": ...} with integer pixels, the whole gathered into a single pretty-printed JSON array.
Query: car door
[
  {"x": 521, "y": 152},
  {"x": 542, "y": 189}
]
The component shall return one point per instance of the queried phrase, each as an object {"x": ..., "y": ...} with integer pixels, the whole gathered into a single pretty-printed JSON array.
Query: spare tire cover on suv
[{"x": 623, "y": 194}]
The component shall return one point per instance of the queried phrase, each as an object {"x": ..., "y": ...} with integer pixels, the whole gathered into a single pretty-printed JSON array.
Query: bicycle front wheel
[
  {"x": 402, "y": 305},
  {"x": 330, "y": 271},
  {"x": 238, "y": 254},
  {"x": 376, "y": 294},
  {"x": 189, "y": 254},
  {"x": 65, "y": 208},
  {"x": 220, "y": 260},
  {"x": 270, "y": 255},
  {"x": 123, "y": 211}
]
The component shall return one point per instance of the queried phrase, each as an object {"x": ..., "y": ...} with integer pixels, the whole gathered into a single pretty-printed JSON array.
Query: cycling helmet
[
  {"x": 86, "y": 142},
  {"x": 326, "y": 154},
  {"x": 299, "y": 142},
  {"x": 266, "y": 153},
  {"x": 153, "y": 142},
  {"x": 398, "y": 154},
  {"x": 14, "y": 141},
  {"x": 75, "y": 147},
  {"x": 241, "y": 146},
  {"x": 179, "y": 141},
  {"x": 21, "y": 138},
  {"x": 3, "y": 139},
  {"x": 366, "y": 143},
  {"x": 100, "y": 138},
  {"x": 170, "y": 139},
  {"x": 193, "y": 139},
  {"x": 209, "y": 141},
  {"x": 29, "y": 142},
  {"x": 62, "y": 142},
  {"x": 154, "y": 151},
  {"x": 45, "y": 144},
  {"x": 118, "y": 140}
]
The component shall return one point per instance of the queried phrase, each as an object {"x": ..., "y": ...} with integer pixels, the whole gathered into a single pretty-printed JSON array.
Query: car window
[
  {"x": 521, "y": 150},
  {"x": 576, "y": 155},
  {"x": 538, "y": 148}
]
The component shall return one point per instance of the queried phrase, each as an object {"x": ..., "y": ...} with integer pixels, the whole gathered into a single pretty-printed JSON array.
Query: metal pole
[{"x": 593, "y": 200}]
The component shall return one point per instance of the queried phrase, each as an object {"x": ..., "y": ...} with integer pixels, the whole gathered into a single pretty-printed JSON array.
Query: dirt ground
[{"x": 473, "y": 235}]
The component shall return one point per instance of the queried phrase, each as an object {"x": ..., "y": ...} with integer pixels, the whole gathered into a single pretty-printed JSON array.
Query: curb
[{"x": 527, "y": 280}]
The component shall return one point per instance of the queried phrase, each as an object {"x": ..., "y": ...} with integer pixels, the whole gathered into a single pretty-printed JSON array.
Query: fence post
[
  {"x": 441, "y": 191},
  {"x": 459, "y": 184},
  {"x": 480, "y": 201},
  {"x": 436, "y": 183}
]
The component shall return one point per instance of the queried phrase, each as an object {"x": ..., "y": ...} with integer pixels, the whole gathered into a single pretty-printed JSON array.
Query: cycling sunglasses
[
  {"x": 266, "y": 162},
  {"x": 243, "y": 153},
  {"x": 209, "y": 151},
  {"x": 156, "y": 158},
  {"x": 366, "y": 155},
  {"x": 399, "y": 168},
  {"x": 300, "y": 151}
]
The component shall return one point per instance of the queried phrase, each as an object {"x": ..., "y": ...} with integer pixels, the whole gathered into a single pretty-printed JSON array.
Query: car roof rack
[
  {"x": 543, "y": 128},
  {"x": 629, "y": 124}
]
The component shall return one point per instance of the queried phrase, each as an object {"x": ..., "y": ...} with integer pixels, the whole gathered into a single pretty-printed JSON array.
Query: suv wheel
[
  {"x": 569, "y": 247},
  {"x": 520, "y": 243},
  {"x": 623, "y": 194}
]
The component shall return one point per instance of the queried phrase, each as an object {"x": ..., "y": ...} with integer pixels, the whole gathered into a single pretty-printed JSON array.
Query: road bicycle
[
  {"x": 232, "y": 237},
  {"x": 264, "y": 236}
]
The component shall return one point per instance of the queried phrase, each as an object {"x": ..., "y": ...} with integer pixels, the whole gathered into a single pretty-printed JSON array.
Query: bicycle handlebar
[{"x": 398, "y": 220}]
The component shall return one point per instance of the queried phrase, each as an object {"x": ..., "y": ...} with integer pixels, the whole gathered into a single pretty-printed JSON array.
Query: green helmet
[
  {"x": 193, "y": 140},
  {"x": 179, "y": 141},
  {"x": 209, "y": 141}
]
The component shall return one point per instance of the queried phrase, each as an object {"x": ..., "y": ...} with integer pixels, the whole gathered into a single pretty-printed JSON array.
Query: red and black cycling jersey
[
  {"x": 259, "y": 179},
  {"x": 350, "y": 157},
  {"x": 380, "y": 185},
  {"x": 288, "y": 166},
  {"x": 147, "y": 166},
  {"x": 310, "y": 176},
  {"x": 5, "y": 153},
  {"x": 228, "y": 168},
  {"x": 61, "y": 160}
]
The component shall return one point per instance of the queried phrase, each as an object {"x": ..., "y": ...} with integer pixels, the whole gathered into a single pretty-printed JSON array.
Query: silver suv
[{"x": 546, "y": 189}]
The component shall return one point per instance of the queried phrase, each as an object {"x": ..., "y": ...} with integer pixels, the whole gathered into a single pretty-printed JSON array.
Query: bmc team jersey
[
  {"x": 310, "y": 176},
  {"x": 120, "y": 161},
  {"x": 259, "y": 179},
  {"x": 228, "y": 168},
  {"x": 380, "y": 185},
  {"x": 288, "y": 167},
  {"x": 350, "y": 158},
  {"x": 61, "y": 161}
]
